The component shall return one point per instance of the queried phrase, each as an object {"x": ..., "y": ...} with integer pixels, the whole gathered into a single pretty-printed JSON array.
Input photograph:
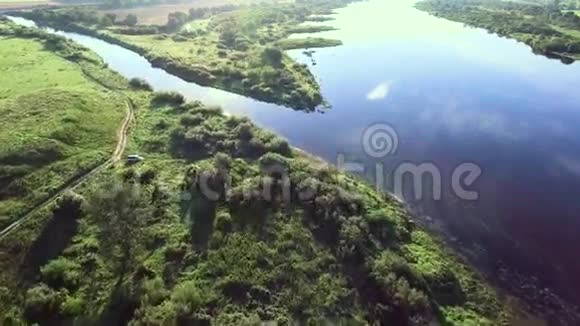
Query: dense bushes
[
  {"x": 205, "y": 132},
  {"x": 171, "y": 98}
]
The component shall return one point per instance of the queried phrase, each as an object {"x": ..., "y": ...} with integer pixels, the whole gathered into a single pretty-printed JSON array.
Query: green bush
[
  {"x": 72, "y": 306},
  {"x": 61, "y": 272},
  {"x": 139, "y": 83},
  {"x": 154, "y": 291},
  {"x": 188, "y": 297},
  {"x": 223, "y": 222},
  {"x": 147, "y": 176},
  {"x": 273, "y": 56},
  {"x": 42, "y": 304},
  {"x": 273, "y": 160},
  {"x": 130, "y": 20},
  {"x": 168, "y": 98}
]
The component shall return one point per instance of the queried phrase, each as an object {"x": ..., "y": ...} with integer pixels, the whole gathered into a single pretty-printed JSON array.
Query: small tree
[
  {"x": 120, "y": 213},
  {"x": 105, "y": 21},
  {"x": 228, "y": 37},
  {"x": 111, "y": 17},
  {"x": 131, "y": 20},
  {"x": 273, "y": 56},
  {"x": 140, "y": 84},
  {"x": 176, "y": 20}
]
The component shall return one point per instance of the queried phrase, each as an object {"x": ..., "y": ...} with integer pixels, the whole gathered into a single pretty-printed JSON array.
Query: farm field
[{"x": 157, "y": 14}]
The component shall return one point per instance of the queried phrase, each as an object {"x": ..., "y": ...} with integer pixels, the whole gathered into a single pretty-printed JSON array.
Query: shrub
[
  {"x": 42, "y": 304},
  {"x": 190, "y": 120},
  {"x": 171, "y": 98},
  {"x": 147, "y": 176},
  {"x": 154, "y": 291},
  {"x": 382, "y": 226},
  {"x": 188, "y": 297},
  {"x": 280, "y": 146},
  {"x": 70, "y": 204},
  {"x": 223, "y": 222},
  {"x": 273, "y": 160},
  {"x": 72, "y": 306},
  {"x": 273, "y": 56},
  {"x": 61, "y": 272},
  {"x": 222, "y": 161},
  {"x": 130, "y": 20},
  {"x": 140, "y": 84}
]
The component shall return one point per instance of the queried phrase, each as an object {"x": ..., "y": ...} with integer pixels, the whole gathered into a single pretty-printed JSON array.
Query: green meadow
[{"x": 56, "y": 123}]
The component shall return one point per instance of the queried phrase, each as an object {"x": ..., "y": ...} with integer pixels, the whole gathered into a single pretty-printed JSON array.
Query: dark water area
[{"x": 451, "y": 95}]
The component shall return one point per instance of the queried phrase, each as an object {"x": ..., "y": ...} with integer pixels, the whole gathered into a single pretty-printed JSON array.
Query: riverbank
[
  {"x": 239, "y": 50},
  {"x": 546, "y": 29}
]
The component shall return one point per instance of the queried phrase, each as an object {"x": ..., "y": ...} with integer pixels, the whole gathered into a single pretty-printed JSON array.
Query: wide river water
[{"x": 451, "y": 95}]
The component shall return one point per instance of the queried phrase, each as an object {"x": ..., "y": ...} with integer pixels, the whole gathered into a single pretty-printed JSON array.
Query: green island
[
  {"x": 235, "y": 48},
  {"x": 283, "y": 237},
  {"x": 549, "y": 28}
]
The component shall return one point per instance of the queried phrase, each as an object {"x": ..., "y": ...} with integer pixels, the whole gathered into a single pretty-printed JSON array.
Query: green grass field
[{"x": 55, "y": 123}]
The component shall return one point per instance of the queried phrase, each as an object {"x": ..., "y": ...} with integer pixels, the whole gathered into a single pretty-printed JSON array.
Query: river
[{"x": 449, "y": 95}]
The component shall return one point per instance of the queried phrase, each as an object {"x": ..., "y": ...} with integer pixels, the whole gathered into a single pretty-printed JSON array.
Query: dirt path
[{"x": 122, "y": 136}]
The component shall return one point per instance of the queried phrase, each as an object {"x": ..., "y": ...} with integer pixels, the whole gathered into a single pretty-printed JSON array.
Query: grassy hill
[{"x": 225, "y": 223}]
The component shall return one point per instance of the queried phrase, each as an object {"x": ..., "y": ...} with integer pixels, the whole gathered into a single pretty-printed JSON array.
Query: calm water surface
[{"x": 453, "y": 94}]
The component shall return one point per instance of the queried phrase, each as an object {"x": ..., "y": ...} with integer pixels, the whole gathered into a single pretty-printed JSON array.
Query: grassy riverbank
[
  {"x": 238, "y": 49},
  {"x": 56, "y": 122},
  {"x": 546, "y": 29},
  {"x": 148, "y": 244}
]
